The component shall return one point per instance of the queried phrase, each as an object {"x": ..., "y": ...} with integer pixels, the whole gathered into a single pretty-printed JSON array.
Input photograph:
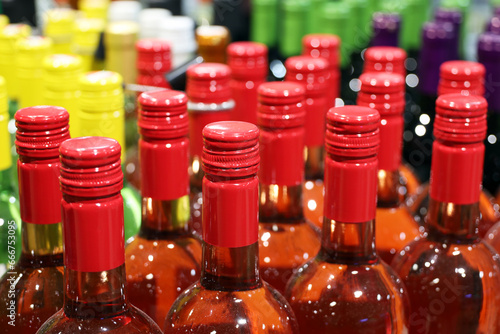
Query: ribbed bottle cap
[
  {"x": 325, "y": 46},
  {"x": 41, "y": 130},
  {"x": 91, "y": 167},
  {"x": 121, "y": 33},
  {"x": 310, "y": 71},
  {"x": 231, "y": 149},
  {"x": 32, "y": 50},
  {"x": 62, "y": 63},
  {"x": 87, "y": 31},
  {"x": 385, "y": 29},
  {"x": 150, "y": 19},
  {"x": 459, "y": 76},
  {"x": 10, "y": 34},
  {"x": 179, "y": 32},
  {"x": 460, "y": 118},
  {"x": 385, "y": 59},
  {"x": 382, "y": 91},
  {"x": 247, "y": 59},
  {"x": 59, "y": 21},
  {"x": 352, "y": 131},
  {"x": 281, "y": 104},
  {"x": 163, "y": 114},
  {"x": 94, "y": 9},
  {"x": 208, "y": 83},
  {"x": 153, "y": 56},
  {"x": 212, "y": 35},
  {"x": 101, "y": 91}
]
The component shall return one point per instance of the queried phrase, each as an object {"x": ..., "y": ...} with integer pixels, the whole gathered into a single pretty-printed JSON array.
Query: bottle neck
[
  {"x": 389, "y": 189},
  {"x": 164, "y": 219},
  {"x": 41, "y": 240},
  {"x": 348, "y": 243},
  {"x": 450, "y": 222},
  {"x": 230, "y": 269},
  {"x": 91, "y": 295},
  {"x": 281, "y": 204},
  {"x": 315, "y": 160}
]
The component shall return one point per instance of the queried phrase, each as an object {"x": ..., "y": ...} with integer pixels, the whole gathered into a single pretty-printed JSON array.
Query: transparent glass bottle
[
  {"x": 347, "y": 288},
  {"x": 32, "y": 289},
  {"x": 164, "y": 258},
  {"x": 230, "y": 297},
  {"x": 95, "y": 291},
  {"x": 452, "y": 271}
]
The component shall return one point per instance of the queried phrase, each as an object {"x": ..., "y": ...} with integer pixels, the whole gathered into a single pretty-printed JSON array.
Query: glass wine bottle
[
  {"x": 248, "y": 63},
  {"x": 396, "y": 227},
  {"x": 163, "y": 259},
  {"x": 386, "y": 27},
  {"x": 210, "y": 100},
  {"x": 452, "y": 270},
  {"x": 313, "y": 74},
  {"x": 32, "y": 290},
  {"x": 230, "y": 297},
  {"x": 347, "y": 288},
  {"x": 95, "y": 292},
  {"x": 101, "y": 113},
  {"x": 212, "y": 43},
  {"x": 286, "y": 238}
]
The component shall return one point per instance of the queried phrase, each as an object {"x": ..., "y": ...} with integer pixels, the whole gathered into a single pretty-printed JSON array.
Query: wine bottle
[
  {"x": 249, "y": 68},
  {"x": 153, "y": 62},
  {"x": 212, "y": 43},
  {"x": 346, "y": 287},
  {"x": 95, "y": 291},
  {"x": 453, "y": 16},
  {"x": 101, "y": 113},
  {"x": 457, "y": 270},
  {"x": 386, "y": 27},
  {"x": 210, "y": 100},
  {"x": 149, "y": 20},
  {"x": 230, "y": 297},
  {"x": 58, "y": 26},
  {"x": 179, "y": 32},
  {"x": 119, "y": 40},
  {"x": 286, "y": 238},
  {"x": 32, "y": 289},
  {"x": 88, "y": 31},
  {"x": 163, "y": 259}
]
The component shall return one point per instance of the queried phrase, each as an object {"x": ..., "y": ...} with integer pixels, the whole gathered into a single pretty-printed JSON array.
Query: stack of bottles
[{"x": 334, "y": 173}]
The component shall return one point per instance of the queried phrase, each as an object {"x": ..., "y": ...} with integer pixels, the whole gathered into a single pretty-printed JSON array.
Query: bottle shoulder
[
  {"x": 249, "y": 311},
  {"x": 130, "y": 322}
]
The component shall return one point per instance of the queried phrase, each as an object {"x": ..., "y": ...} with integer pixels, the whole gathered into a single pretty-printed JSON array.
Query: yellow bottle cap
[
  {"x": 4, "y": 20},
  {"x": 121, "y": 34},
  {"x": 32, "y": 51},
  {"x": 5, "y": 156},
  {"x": 101, "y": 106},
  {"x": 87, "y": 31},
  {"x": 10, "y": 34},
  {"x": 97, "y": 9},
  {"x": 59, "y": 26}
]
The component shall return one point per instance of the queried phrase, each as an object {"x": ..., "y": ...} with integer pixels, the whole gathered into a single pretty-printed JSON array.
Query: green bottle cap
[
  {"x": 314, "y": 20},
  {"x": 264, "y": 22},
  {"x": 335, "y": 19},
  {"x": 495, "y": 3},
  {"x": 462, "y": 4},
  {"x": 294, "y": 15},
  {"x": 414, "y": 13},
  {"x": 362, "y": 28}
]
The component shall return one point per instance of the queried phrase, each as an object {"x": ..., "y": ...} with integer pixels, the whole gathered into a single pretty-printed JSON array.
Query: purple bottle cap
[
  {"x": 488, "y": 54},
  {"x": 385, "y": 29},
  {"x": 438, "y": 46},
  {"x": 496, "y": 11},
  {"x": 494, "y": 25},
  {"x": 453, "y": 16}
]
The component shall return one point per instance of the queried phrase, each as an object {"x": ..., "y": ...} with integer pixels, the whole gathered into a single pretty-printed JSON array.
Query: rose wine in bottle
[
  {"x": 452, "y": 271},
  {"x": 347, "y": 288},
  {"x": 163, "y": 259},
  {"x": 286, "y": 238},
  {"x": 466, "y": 78},
  {"x": 32, "y": 290},
  {"x": 231, "y": 296},
  {"x": 396, "y": 227},
  {"x": 326, "y": 46},
  {"x": 313, "y": 74},
  {"x": 95, "y": 296},
  {"x": 210, "y": 100},
  {"x": 392, "y": 60},
  {"x": 248, "y": 63}
]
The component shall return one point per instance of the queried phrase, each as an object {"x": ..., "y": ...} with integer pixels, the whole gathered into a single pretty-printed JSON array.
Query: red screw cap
[
  {"x": 231, "y": 149},
  {"x": 464, "y": 77},
  {"x": 41, "y": 130},
  {"x": 460, "y": 118},
  {"x": 163, "y": 114},
  {"x": 208, "y": 83},
  {"x": 325, "y": 46},
  {"x": 153, "y": 56},
  {"x": 382, "y": 91},
  {"x": 247, "y": 59},
  {"x": 312, "y": 72},
  {"x": 352, "y": 131},
  {"x": 91, "y": 167},
  {"x": 385, "y": 59}
]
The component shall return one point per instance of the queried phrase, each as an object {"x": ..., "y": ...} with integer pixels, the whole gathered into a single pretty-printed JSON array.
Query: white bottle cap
[
  {"x": 150, "y": 20},
  {"x": 124, "y": 11},
  {"x": 179, "y": 31}
]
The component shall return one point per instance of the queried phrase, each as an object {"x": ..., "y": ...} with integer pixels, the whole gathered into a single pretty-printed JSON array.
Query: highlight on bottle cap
[
  {"x": 230, "y": 149},
  {"x": 326, "y": 46},
  {"x": 460, "y": 118},
  {"x": 281, "y": 104},
  {"x": 41, "y": 130},
  {"x": 62, "y": 63},
  {"x": 208, "y": 83},
  {"x": 460, "y": 76},
  {"x": 101, "y": 81},
  {"x": 382, "y": 82},
  {"x": 163, "y": 114},
  {"x": 451, "y": 15},
  {"x": 352, "y": 131},
  {"x": 308, "y": 70},
  {"x": 247, "y": 59},
  {"x": 101, "y": 91},
  {"x": 385, "y": 59},
  {"x": 90, "y": 167},
  {"x": 382, "y": 91}
]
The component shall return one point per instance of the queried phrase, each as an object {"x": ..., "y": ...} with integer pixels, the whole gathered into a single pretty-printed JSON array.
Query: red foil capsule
[
  {"x": 460, "y": 76},
  {"x": 385, "y": 59},
  {"x": 153, "y": 61},
  {"x": 40, "y": 132},
  {"x": 326, "y": 46},
  {"x": 231, "y": 154},
  {"x": 313, "y": 74},
  {"x": 249, "y": 67}
]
